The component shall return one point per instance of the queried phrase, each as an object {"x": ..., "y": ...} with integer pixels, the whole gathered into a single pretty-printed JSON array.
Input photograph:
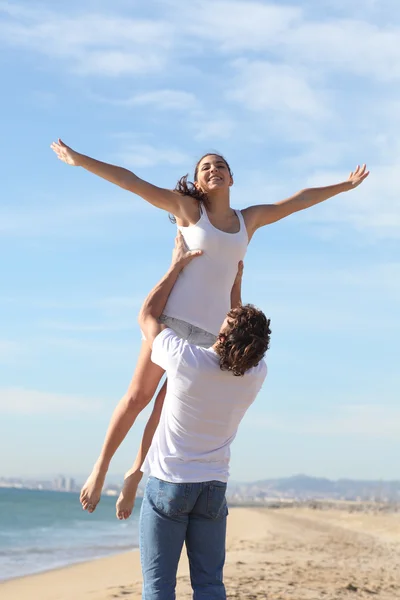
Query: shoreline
[
  {"x": 67, "y": 566},
  {"x": 50, "y": 531},
  {"x": 292, "y": 554}
]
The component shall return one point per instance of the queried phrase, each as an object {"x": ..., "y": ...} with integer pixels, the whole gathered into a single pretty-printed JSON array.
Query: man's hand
[
  {"x": 181, "y": 256},
  {"x": 239, "y": 274},
  {"x": 236, "y": 292},
  {"x": 356, "y": 177},
  {"x": 65, "y": 153},
  {"x": 155, "y": 302}
]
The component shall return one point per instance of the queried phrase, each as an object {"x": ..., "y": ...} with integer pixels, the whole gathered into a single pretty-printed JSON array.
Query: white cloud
[
  {"x": 163, "y": 100},
  {"x": 115, "y": 45},
  {"x": 373, "y": 208},
  {"x": 117, "y": 62},
  {"x": 91, "y": 43},
  {"x": 15, "y": 10},
  {"x": 381, "y": 421},
  {"x": 307, "y": 79},
  {"x": 354, "y": 45},
  {"x": 145, "y": 155},
  {"x": 208, "y": 129},
  {"x": 237, "y": 26},
  {"x": 346, "y": 45},
  {"x": 30, "y": 402},
  {"x": 264, "y": 86},
  {"x": 366, "y": 7}
]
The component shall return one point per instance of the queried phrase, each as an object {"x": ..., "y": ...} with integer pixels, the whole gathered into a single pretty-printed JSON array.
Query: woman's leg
[
  {"x": 133, "y": 477},
  {"x": 140, "y": 391},
  {"x": 126, "y": 499}
]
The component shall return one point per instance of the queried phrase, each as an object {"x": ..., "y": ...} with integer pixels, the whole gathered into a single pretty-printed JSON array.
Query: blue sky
[{"x": 293, "y": 94}]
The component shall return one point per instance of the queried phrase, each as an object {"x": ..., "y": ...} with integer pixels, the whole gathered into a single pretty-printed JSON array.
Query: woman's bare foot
[
  {"x": 91, "y": 491},
  {"x": 127, "y": 496}
]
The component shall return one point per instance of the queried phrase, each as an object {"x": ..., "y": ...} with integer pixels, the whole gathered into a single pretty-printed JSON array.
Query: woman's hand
[
  {"x": 264, "y": 214},
  {"x": 356, "y": 177},
  {"x": 181, "y": 256},
  {"x": 65, "y": 153}
]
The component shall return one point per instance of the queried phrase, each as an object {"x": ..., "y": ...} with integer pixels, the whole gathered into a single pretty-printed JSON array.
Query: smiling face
[{"x": 213, "y": 173}]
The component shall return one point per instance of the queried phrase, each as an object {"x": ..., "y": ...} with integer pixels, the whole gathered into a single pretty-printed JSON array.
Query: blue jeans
[{"x": 174, "y": 513}]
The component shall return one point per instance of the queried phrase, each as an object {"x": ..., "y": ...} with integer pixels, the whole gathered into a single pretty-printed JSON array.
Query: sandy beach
[{"x": 279, "y": 554}]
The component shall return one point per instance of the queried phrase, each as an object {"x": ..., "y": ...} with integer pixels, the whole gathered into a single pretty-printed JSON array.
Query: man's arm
[
  {"x": 236, "y": 292},
  {"x": 155, "y": 302},
  {"x": 264, "y": 214}
]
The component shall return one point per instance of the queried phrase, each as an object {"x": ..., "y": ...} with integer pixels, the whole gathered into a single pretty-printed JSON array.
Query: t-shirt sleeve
[{"x": 168, "y": 349}]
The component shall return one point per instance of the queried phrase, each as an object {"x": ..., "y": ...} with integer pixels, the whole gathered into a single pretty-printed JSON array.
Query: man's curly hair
[{"x": 245, "y": 340}]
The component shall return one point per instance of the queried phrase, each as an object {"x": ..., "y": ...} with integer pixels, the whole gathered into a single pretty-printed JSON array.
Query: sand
[{"x": 280, "y": 554}]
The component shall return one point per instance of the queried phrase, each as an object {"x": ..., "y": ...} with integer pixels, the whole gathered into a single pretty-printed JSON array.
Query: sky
[{"x": 294, "y": 94}]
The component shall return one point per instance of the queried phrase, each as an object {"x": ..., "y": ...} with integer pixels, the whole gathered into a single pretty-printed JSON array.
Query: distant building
[
  {"x": 59, "y": 483},
  {"x": 70, "y": 485}
]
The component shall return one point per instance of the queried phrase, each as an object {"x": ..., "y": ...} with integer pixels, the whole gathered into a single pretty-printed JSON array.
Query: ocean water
[{"x": 45, "y": 530}]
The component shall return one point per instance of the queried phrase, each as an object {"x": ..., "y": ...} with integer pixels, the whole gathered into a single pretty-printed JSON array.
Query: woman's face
[{"x": 213, "y": 174}]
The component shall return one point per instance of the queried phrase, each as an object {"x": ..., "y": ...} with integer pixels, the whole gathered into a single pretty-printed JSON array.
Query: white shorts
[{"x": 194, "y": 335}]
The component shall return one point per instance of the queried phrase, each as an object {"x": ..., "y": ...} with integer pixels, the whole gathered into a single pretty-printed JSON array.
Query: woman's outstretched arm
[
  {"x": 162, "y": 198},
  {"x": 264, "y": 214}
]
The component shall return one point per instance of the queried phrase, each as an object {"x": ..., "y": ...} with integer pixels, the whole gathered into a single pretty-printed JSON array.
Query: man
[{"x": 208, "y": 393}]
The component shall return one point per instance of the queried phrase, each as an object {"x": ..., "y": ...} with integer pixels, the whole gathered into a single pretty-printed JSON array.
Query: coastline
[
  {"x": 293, "y": 553},
  {"x": 49, "y": 530},
  {"x": 75, "y": 580},
  {"x": 63, "y": 568}
]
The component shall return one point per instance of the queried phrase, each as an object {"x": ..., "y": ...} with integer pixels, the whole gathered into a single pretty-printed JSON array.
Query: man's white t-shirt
[{"x": 201, "y": 414}]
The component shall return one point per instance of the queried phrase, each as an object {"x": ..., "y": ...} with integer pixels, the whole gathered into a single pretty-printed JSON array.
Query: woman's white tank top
[{"x": 202, "y": 293}]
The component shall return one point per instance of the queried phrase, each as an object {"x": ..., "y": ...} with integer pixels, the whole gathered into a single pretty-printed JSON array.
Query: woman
[{"x": 201, "y": 298}]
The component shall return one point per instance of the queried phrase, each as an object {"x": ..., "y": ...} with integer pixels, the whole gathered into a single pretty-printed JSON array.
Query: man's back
[{"x": 202, "y": 411}]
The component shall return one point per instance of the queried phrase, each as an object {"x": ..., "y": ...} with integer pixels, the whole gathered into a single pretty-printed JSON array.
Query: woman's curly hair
[
  {"x": 245, "y": 340},
  {"x": 188, "y": 188}
]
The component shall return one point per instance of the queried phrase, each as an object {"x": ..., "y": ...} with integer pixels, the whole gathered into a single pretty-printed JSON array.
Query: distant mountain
[
  {"x": 297, "y": 487},
  {"x": 303, "y": 487}
]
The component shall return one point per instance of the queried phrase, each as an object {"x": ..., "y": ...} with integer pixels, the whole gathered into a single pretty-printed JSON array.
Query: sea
[{"x": 43, "y": 530}]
